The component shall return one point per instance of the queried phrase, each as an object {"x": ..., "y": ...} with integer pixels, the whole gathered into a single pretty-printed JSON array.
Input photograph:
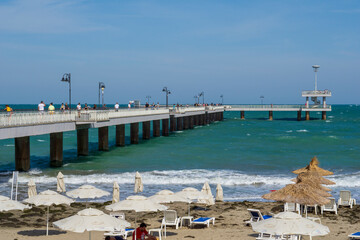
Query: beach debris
[
  {"x": 138, "y": 183},
  {"x": 60, "y": 183},
  {"x": 116, "y": 193}
]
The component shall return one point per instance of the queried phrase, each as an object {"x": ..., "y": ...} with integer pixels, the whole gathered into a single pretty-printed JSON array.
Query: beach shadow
[{"x": 36, "y": 233}]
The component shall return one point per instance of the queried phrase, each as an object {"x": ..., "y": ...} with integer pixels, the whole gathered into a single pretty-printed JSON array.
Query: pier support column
[
  {"x": 146, "y": 130},
  {"x": 186, "y": 123},
  {"x": 56, "y": 149},
  {"x": 191, "y": 122},
  {"x": 172, "y": 123},
  {"x": 299, "y": 115},
  {"x": 222, "y": 116},
  {"x": 270, "y": 115},
  {"x": 120, "y": 135},
  {"x": 307, "y": 115},
  {"x": 22, "y": 153},
  {"x": 179, "y": 124},
  {"x": 156, "y": 128},
  {"x": 242, "y": 115},
  {"x": 196, "y": 120},
  {"x": 323, "y": 115},
  {"x": 103, "y": 136},
  {"x": 134, "y": 133},
  {"x": 203, "y": 119},
  {"x": 83, "y": 142},
  {"x": 207, "y": 118},
  {"x": 165, "y": 127}
]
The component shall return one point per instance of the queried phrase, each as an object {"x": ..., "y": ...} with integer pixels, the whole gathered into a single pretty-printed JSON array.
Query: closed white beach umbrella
[
  {"x": 60, "y": 183},
  {"x": 167, "y": 196},
  {"x": 6, "y": 204},
  {"x": 31, "y": 188},
  {"x": 91, "y": 220},
  {"x": 116, "y": 193},
  {"x": 219, "y": 193},
  {"x": 48, "y": 198},
  {"x": 290, "y": 223},
  {"x": 207, "y": 190},
  {"x": 87, "y": 191},
  {"x": 138, "y": 183}
]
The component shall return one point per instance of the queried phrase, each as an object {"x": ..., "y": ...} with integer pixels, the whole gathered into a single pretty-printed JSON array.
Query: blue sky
[{"x": 241, "y": 49}]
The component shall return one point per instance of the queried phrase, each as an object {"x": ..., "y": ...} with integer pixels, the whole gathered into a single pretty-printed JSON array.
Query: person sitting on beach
[
  {"x": 142, "y": 234},
  {"x": 114, "y": 238}
]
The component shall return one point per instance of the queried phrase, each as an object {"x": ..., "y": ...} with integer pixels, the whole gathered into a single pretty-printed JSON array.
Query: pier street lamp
[
  {"x": 222, "y": 99},
  {"x": 202, "y": 94},
  {"x": 101, "y": 92},
  {"x": 196, "y": 97},
  {"x": 316, "y": 67},
  {"x": 67, "y": 78},
  {"x": 262, "y": 99},
  {"x": 148, "y": 98},
  {"x": 167, "y": 91}
]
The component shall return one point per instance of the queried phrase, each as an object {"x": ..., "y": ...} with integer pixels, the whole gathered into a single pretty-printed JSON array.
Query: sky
[{"x": 239, "y": 49}]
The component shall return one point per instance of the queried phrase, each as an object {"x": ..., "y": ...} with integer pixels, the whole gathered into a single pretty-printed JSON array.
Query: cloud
[{"x": 44, "y": 16}]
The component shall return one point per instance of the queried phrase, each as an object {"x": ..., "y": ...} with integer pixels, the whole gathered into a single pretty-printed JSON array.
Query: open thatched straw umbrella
[
  {"x": 314, "y": 167},
  {"x": 299, "y": 193},
  {"x": 313, "y": 177}
]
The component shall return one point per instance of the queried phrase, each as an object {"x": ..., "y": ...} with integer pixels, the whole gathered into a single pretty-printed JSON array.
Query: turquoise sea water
[{"x": 248, "y": 157}]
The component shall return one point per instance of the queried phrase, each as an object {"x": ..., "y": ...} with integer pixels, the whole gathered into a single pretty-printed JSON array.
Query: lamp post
[
  {"x": 316, "y": 67},
  {"x": 196, "y": 97},
  {"x": 167, "y": 91},
  {"x": 202, "y": 94},
  {"x": 101, "y": 92},
  {"x": 67, "y": 78},
  {"x": 222, "y": 99},
  {"x": 148, "y": 98},
  {"x": 261, "y": 99}
]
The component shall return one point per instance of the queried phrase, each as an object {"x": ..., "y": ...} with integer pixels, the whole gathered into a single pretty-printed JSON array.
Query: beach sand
[{"x": 229, "y": 223}]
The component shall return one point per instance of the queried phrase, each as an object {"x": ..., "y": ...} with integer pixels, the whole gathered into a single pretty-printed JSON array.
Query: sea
[{"x": 247, "y": 157}]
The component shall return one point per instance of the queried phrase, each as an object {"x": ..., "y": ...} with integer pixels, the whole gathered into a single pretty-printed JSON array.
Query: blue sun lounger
[
  {"x": 203, "y": 221},
  {"x": 354, "y": 235},
  {"x": 256, "y": 216}
]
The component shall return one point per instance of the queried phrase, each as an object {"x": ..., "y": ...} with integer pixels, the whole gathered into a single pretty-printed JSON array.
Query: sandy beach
[{"x": 229, "y": 223}]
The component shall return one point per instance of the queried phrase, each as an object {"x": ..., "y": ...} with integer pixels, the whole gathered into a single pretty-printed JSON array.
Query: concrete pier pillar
[
  {"x": 22, "y": 153},
  {"x": 299, "y": 115},
  {"x": 191, "y": 122},
  {"x": 242, "y": 115},
  {"x": 103, "y": 138},
  {"x": 165, "y": 127},
  {"x": 207, "y": 118},
  {"x": 146, "y": 130},
  {"x": 156, "y": 128},
  {"x": 172, "y": 123},
  {"x": 56, "y": 149},
  {"x": 307, "y": 115},
  {"x": 186, "y": 123},
  {"x": 179, "y": 124},
  {"x": 203, "y": 119},
  {"x": 222, "y": 116},
  {"x": 120, "y": 135},
  {"x": 324, "y": 102},
  {"x": 270, "y": 115},
  {"x": 83, "y": 142},
  {"x": 196, "y": 120},
  {"x": 134, "y": 133},
  {"x": 323, "y": 117}
]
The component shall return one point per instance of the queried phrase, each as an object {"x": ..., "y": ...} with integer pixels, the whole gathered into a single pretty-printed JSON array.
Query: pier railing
[{"x": 269, "y": 107}]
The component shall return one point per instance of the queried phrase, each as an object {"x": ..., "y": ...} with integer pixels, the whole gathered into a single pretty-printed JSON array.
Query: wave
[
  {"x": 9, "y": 145},
  {"x": 40, "y": 140},
  {"x": 289, "y": 131},
  {"x": 302, "y": 130}
]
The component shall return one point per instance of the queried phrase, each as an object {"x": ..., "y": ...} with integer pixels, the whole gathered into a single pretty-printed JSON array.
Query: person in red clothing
[{"x": 142, "y": 234}]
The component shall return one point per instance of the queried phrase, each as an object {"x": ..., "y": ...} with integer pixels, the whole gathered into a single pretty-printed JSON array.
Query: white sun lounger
[
  {"x": 346, "y": 199},
  {"x": 124, "y": 234},
  {"x": 330, "y": 207}
]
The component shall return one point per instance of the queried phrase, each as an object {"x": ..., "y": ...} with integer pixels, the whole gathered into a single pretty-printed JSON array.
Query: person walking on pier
[
  {"x": 8, "y": 110},
  {"x": 129, "y": 105},
  {"x": 62, "y": 108},
  {"x": 147, "y": 106},
  {"x": 41, "y": 107},
  {"x": 116, "y": 107},
  {"x": 78, "y": 108},
  {"x": 67, "y": 106},
  {"x": 51, "y": 109}
]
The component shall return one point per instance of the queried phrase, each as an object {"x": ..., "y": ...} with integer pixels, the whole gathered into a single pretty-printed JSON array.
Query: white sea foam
[
  {"x": 334, "y": 137},
  {"x": 40, "y": 140},
  {"x": 289, "y": 131},
  {"x": 248, "y": 134},
  {"x": 328, "y": 121},
  {"x": 302, "y": 130},
  {"x": 9, "y": 145}
]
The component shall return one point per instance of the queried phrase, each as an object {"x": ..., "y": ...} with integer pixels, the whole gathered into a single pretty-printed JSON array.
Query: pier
[{"x": 22, "y": 125}]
